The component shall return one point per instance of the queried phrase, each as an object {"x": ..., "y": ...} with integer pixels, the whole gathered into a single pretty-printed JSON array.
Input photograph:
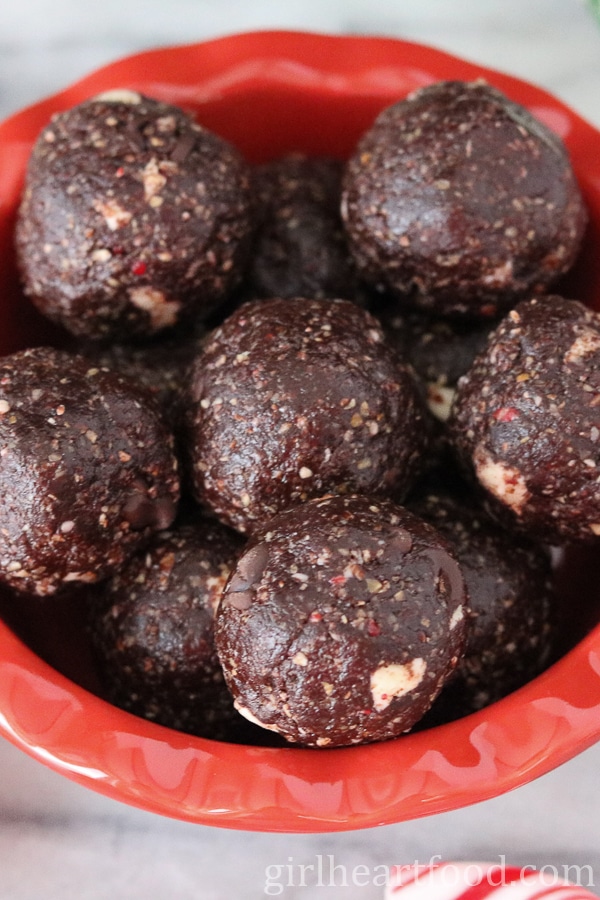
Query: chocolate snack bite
[
  {"x": 87, "y": 471},
  {"x": 152, "y": 628},
  {"x": 526, "y": 419},
  {"x": 341, "y": 622},
  {"x": 459, "y": 202},
  {"x": 511, "y": 612},
  {"x": 133, "y": 218},
  {"x": 293, "y": 398},
  {"x": 300, "y": 247},
  {"x": 439, "y": 351},
  {"x": 159, "y": 365}
]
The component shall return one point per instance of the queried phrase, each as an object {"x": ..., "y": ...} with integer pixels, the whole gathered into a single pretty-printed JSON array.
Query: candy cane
[{"x": 478, "y": 881}]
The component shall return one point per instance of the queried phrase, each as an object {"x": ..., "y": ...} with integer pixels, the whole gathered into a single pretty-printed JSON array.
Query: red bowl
[{"x": 270, "y": 93}]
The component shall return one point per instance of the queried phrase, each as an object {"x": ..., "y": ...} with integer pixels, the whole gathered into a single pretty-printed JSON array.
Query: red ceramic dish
[{"x": 270, "y": 93}]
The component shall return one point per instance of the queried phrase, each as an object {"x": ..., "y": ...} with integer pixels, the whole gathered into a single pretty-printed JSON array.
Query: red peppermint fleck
[
  {"x": 337, "y": 579},
  {"x": 505, "y": 414},
  {"x": 373, "y": 628},
  {"x": 315, "y": 616},
  {"x": 139, "y": 268},
  {"x": 366, "y": 712},
  {"x": 120, "y": 172}
]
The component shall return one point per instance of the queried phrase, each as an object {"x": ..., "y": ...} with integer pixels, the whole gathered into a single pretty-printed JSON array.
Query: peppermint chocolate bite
[
  {"x": 152, "y": 627},
  {"x": 458, "y": 201},
  {"x": 87, "y": 471},
  {"x": 159, "y": 365},
  {"x": 512, "y": 610},
  {"x": 341, "y": 622},
  {"x": 439, "y": 351},
  {"x": 526, "y": 419},
  {"x": 133, "y": 218},
  {"x": 293, "y": 398},
  {"x": 300, "y": 247}
]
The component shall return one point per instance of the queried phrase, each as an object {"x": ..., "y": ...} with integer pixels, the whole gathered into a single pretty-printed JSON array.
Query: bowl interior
[{"x": 270, "y": 93}]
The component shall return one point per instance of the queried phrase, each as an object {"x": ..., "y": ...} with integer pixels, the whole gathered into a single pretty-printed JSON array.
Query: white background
[{"x": 60, "y": 841}]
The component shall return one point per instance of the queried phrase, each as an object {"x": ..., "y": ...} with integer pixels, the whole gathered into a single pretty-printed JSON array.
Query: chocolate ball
[
  {"x": 300, "y": 247},
  {"x": 341, "y": 622},
  {"x": 438, "y": 350},
  {"x": 526, "y": 419},
  {"x": 133, "y": 218},
  {"x": 153, "y": 630},
  {"x": 293, "y": 398},
  {"x": 159, "y": 365},
  {"x": 512, "y": 610},
  {"x": 459, "y": 202},
  {"x": 87, "y": 471}
]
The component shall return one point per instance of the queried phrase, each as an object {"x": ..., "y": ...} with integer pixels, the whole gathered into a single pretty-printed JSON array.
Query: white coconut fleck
[
  {"x": 86, "y": 577},
  {"x": 103, "y": 254},
  {"x": 113, "y": 214},
  {"x": 68, "y": 526},
  {"x": 163, "y": 313},
  {"x": 439, "y": 400},
  {"x": 300, "y": 576},
  {"x": 152, "y": 179},
  {"x": 503, "y": 481},
  {"x": 395, "y": 680},
  {"x": 252, "y": 718},
  {"x": 300, "y": 659},
  {"x": 499, "y": 276},
  {"x": 585, "y": 344},
  {"x": 457, "y": 616},
  {"x": 119, "y": 95},
  {"x": 305, "y": 472},
  {"x": 4, "y": 406},
  {"x": 374, "y": 586}
]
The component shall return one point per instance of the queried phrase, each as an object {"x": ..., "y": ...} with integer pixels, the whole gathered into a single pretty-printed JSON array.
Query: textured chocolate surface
[
  {"x": 341, "y": 622},
  {"x": 152, "y": 627},
  {"x": 512, "y": 612},
  {"x": 133, "y": 217},
  {"x": 293, "y": 398},
  {"x": 159, "y": 365},
  {"x": 300, "y": 247},
  {"x": 526, "y": 419},
  {"x": 87, "y": 470},
  {"x": 439, "y": 351},
  {"x": 458, "y": 201}
]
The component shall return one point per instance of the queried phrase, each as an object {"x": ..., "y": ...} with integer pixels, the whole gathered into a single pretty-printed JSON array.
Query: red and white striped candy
[{"x": 479, "y": 881}]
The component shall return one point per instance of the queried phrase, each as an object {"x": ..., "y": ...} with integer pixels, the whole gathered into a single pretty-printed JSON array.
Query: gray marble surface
[
  {"x": 45, "y": 44},
  {"x": 59, "y": 840}
]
